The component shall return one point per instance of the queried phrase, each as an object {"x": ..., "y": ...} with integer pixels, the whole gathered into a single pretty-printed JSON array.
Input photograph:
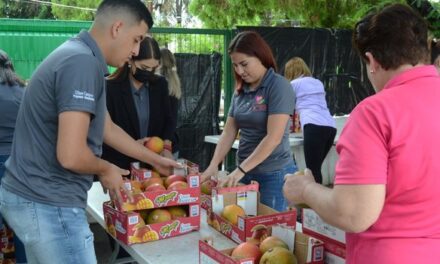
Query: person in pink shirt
[
  {"x": 387, "y": 182},
  {"x": 435, "y": 53}
]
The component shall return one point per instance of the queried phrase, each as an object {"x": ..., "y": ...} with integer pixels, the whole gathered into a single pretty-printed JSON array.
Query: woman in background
[
  {"x": 11, "y": 93},
  {"x": 317, "y": 124},
  {"x": 168, "y": 70},
  {"x": 387, "y": 187},
  {"x": 261, "y": 107},
  {"x": 138, "y": 102}
]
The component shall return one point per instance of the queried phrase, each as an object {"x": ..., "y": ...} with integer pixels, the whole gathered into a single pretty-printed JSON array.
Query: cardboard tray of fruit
[
  {"x": 183, "y": 187},
  {"x": 150, "y": 225},
  {"x": 237, "y": 213},
  {"x": 152, "y": 193},
  {"x": 282, "y": 245}
]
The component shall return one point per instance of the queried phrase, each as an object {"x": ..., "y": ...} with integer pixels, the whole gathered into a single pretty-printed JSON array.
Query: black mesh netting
[
  {"x": 200, "y": 75},
  {"x": 331, "y": 58}
]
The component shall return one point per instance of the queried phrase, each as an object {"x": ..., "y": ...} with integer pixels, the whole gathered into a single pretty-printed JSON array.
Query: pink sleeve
[{"x": 362, "y": 146}]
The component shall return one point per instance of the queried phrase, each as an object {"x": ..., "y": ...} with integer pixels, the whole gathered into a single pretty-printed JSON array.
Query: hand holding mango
[{"x": 294, "y": 186}]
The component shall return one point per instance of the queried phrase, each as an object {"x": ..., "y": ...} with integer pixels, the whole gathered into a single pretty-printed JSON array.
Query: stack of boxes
[{"x": 158, "y": 214}]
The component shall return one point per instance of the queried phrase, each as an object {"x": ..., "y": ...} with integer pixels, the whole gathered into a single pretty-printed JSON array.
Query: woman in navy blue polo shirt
[{"x": 260, "y": 110}]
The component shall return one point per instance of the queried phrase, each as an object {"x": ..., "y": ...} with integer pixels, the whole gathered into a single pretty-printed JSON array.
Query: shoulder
[
  {"x": 116, "y": 86},
  {"x": 161, "y": 85}
]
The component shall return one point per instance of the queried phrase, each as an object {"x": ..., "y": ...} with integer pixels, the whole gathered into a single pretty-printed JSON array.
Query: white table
[
  {"x": 178, "y": 250},
  {"x": 296, "y": 143}
]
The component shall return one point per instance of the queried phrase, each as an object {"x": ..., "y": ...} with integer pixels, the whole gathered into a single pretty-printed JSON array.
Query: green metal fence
[{"x": 28, "y": 42}]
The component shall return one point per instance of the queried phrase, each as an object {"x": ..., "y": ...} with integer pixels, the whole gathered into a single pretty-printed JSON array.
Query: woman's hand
[
  {"x": 232, "y": 179},
  {"x": 208, "y": 173},
  {"x": 295, "y": 184}
]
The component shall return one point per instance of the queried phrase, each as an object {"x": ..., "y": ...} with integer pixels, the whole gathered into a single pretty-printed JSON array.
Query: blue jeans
[
  {"x": 20, "y": 255},
  {"x": 271, "y": 186},
  {"x": 50, "y": 234}
]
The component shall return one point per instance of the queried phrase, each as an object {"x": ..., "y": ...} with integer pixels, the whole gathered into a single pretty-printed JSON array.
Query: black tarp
[
  {"x": 331, "y": 58},
  {"x": 200, "y": 75}
]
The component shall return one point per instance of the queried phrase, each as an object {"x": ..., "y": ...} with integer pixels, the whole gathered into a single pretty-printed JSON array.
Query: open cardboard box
[
  {"x": 140, "y": 173},
  {"x": 308, "y": 250},
  {"x": 162, "y": 198},
  {"x": 258, "y": 215},
  {"x": 334, "y": 238},
  {"x": 130, "y": 228}
]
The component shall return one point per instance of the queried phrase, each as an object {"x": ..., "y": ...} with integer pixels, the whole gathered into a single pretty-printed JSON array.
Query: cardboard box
[
  {"x": 334, "y": 238},
  {"x": 257, "y": 215},
  {"x": 308, "y": 250},
  {"x": 140, "y": 173},
  {"x": 205, "y": 201},
  {"x": 209, "y": 255},
  {"x": 130, "y": 228},
  {"x": 162, "y": 198},
  {"x": 156, "y": 199}
]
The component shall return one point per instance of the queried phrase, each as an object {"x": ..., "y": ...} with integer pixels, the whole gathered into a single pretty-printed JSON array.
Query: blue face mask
[{"x": 145, "y": 76}]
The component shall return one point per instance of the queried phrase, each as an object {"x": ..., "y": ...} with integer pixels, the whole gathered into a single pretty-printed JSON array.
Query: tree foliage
[
  {"x": 74, "y": 9},
  {"x": 306, "y": 13},
  {"x": 14, "y": 9}
]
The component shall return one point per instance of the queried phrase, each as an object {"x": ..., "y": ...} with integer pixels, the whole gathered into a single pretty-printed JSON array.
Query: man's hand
[
  {"x": 295, "y": 185},
  {"x": 165, "y": 166},
  {"x": 167, "y": 154},
  {"x": 143, "y": 140},
  {"x": 112, "y": 181}
]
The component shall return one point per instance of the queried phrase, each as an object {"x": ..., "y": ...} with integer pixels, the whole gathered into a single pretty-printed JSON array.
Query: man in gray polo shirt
[{"x": 60, "y": 129}]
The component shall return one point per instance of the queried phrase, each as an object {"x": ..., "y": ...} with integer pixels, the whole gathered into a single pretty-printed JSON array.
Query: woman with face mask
[{"x": 138, "y": 102}]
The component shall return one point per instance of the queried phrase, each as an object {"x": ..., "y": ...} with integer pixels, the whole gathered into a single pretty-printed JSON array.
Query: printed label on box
[{"x": 313, "y": 222}]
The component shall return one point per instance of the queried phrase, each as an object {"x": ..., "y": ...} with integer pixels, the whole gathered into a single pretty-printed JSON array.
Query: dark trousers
[{"x": 317, "y": 142}]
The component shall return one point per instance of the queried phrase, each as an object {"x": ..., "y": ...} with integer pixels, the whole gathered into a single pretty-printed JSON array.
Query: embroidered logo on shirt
[
  {"x": 260, "y": 104},
  {"x": 83, "y": 95},
  {"x": 259, "y": 100}
]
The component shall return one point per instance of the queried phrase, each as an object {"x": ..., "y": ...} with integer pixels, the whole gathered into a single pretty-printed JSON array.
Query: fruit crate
[
  {"x": 160, "y": 198},
  {"x": 209, "y": 255},
  {"x": 259, "y": 217},
  {"x": 306, "y": 249},
  {"x": 130, "y": 227},
  {"x": 149, "y": 191}
]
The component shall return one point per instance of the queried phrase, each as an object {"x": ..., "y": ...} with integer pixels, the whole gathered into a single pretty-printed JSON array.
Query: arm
[
  {"x": 353, "y": 208},
  {"x": 74, "y": 154},
  {"x": 276, "y": 124},
  {"x": 226, "y": 140},
  {"x": 118, "y": 139},
  {"x": 358, "y": 197}
]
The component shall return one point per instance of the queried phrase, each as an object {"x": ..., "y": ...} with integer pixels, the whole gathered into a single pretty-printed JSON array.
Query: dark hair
[
  {"x": 135, "y": 7},
  {"x": 251, "y": 44},
  {"x": 435, "y": 50},
  {"x": 148, "y": 49},
  {"x": 395, "y": 36},
  {"x": 7, "y": 72}
]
